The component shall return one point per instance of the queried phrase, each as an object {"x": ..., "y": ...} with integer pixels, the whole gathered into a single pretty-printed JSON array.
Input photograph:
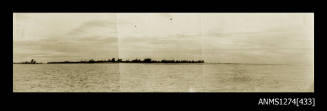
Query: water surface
[{"x": 124, "y": 77}]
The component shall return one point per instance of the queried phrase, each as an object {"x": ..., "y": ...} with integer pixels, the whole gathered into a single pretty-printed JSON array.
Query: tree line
[
  {"x": 28, "y": 62},
  {"x": 146, "y": 60}
]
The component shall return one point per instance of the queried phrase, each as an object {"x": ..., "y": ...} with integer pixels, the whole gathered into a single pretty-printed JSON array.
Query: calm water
[{"x": 162, "y": 78}]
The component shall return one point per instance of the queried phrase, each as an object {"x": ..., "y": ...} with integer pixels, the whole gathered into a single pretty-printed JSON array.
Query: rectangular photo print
[{"x": 163, "y": 52}]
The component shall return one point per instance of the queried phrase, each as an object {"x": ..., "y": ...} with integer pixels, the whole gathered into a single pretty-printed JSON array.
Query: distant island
[
  {"x": 28, "y": 62},
  {"x": 113, "y": 60}
]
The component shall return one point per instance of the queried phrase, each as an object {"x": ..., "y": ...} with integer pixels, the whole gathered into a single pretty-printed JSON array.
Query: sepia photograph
[{"x": 163, "y": 52}]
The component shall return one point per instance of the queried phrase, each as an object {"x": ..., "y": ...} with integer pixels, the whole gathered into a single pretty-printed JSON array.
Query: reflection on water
[{"x": 162, "y": 78}]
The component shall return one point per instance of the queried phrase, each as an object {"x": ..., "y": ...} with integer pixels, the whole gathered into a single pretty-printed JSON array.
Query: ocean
[{"x": 160, "y": 77}]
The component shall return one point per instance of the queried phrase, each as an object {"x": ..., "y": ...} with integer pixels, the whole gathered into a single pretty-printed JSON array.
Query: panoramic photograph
[{"x": 163, "y": 52}]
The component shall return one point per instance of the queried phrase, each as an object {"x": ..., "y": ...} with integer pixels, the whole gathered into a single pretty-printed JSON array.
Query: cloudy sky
[{"x": 271, "y": 38}]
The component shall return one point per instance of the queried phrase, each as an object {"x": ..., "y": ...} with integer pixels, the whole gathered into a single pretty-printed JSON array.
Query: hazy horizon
[{"x": 263, "y": 38}]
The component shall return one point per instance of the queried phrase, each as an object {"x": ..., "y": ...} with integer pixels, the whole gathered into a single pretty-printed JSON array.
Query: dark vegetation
[
  {"x": 113, "y": 60},
  {"x": 29, "y": 62}
]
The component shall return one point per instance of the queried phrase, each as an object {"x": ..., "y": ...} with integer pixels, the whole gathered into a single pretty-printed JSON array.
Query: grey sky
[{"x": 214, "y": 37}]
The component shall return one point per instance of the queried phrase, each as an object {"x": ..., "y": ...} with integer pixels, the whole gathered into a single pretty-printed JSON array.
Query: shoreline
[{"x": 173, "y": 63}]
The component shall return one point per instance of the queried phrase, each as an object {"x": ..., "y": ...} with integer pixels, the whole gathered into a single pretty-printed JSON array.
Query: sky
[{"x": 265, "y": 38}]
